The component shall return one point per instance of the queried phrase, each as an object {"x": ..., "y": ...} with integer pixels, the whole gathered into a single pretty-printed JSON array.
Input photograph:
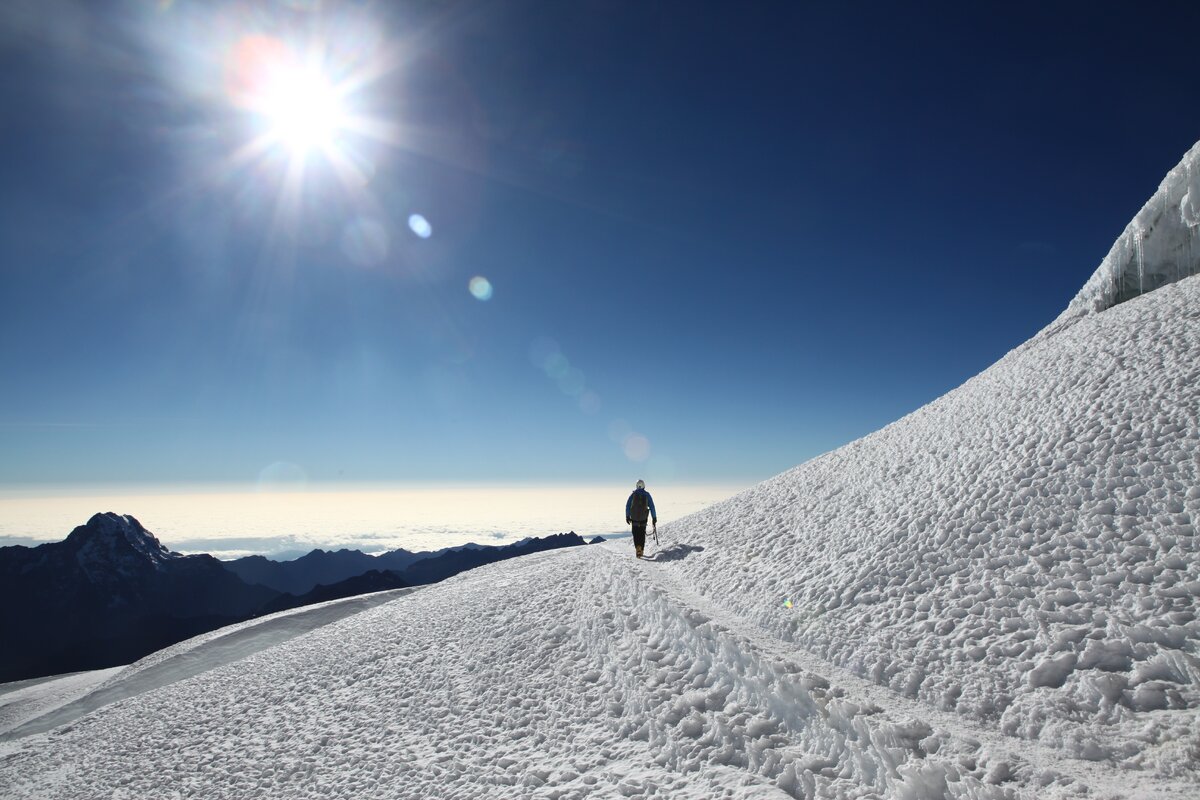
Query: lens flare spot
[
  {"x": 251, "y": 60},
  {"x": 557, "y": 366},
  {"x": 541, "y": 351},
  {"x": 787, "y": 603},
  {"x": 589, "y": 402},
  {"x": 282, "y": 475},
  {"x": 571, "y": 382},
  {"x": 481, "y": 288},
  {"x": 636, "y": 447},
  {"x": 420, "y": 226},
  {"x": 619, "y": 430}
]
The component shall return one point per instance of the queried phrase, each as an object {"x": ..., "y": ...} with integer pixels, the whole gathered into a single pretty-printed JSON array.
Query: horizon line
[{"x": 321, "y": 486}]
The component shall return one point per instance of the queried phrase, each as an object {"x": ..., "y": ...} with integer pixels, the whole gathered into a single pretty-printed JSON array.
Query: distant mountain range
[
  {"x": 111, "y": 593},
  {"x": 325, "y": 567},
  {"x": 452, "y": 562},
  {"x": 371, "y": 581}
]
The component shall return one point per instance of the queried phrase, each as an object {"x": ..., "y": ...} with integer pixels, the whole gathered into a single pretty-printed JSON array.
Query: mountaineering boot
[{"x": 639, "y": 552}]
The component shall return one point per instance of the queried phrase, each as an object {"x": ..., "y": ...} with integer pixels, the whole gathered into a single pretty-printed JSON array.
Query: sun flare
[
  {"x": 293, "y": 98},
  {"x": 307, "y": 121},
  {"x": 302, "y": 109}
]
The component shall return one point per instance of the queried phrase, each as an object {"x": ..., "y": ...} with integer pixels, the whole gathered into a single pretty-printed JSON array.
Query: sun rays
[{"x": 298, "y": 105}]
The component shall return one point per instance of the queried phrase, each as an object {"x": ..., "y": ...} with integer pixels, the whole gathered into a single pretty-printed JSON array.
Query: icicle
[{"x": 1141, "y": 264}]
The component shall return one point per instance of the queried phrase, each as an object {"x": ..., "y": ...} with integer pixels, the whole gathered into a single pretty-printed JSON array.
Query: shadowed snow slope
[{"x": 31, "y": 712}]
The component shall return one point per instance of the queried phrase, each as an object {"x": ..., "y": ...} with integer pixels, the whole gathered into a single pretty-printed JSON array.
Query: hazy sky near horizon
[
  {"x": 275, "y": 243},
  {"x": 231, "y": 521}
]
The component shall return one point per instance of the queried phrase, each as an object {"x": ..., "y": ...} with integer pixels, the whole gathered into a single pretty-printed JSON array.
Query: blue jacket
[{"x": 649, "y": 502}]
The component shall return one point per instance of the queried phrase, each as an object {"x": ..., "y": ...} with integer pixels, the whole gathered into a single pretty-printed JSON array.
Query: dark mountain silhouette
[
  {"x": 320, "y": 567},
  {"x": 109, "y": 594},
  {"x": 315, "y": 576},
  {"x": 325, "y": 567},
  {"x": 430, "y": 570},
  {"x": 372, "y": 581}
]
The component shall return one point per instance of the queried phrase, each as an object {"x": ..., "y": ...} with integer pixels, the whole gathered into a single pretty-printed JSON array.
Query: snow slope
[
  {"x": 994, "y": 597},
  {"x": 573, "y": 673},
  {"x": 1022, "y": 551}
]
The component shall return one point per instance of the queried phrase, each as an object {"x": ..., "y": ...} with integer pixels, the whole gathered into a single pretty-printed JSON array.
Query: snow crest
[{"x": 1159, "y": 246}]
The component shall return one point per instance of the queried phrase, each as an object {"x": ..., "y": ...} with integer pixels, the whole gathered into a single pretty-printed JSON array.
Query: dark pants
[{"x": 639, "y": 535}]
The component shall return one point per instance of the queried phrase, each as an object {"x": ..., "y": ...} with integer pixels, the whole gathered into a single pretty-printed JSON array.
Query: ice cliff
[{"x": 1160, "y": 245}]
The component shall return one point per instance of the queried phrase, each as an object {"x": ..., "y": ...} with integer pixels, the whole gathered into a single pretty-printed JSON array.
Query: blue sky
[{"x": 718, "y": 242}]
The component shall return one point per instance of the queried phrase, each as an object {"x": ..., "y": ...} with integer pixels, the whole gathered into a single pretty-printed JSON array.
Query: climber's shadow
[{"x": 676, "y": 552}]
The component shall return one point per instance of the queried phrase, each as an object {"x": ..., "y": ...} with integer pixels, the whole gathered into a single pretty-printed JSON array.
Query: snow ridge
[{"x": 197, "y": 655}]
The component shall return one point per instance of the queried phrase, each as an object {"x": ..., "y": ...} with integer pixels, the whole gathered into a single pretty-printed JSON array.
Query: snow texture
[
  {"x": 993, "y": 597},
  {"x": 1022, "y": 551},
  {"x": 1160, "y": 245},
  {"x": 183, "y": 660}
]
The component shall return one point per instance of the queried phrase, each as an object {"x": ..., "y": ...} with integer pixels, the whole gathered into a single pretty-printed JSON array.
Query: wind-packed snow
[
  {"x": 994, "y": 597},
  {"x": 1022, "y": 551},
  {"x": 573, "y": 673},
  {"x": 1159, "y": 246}
]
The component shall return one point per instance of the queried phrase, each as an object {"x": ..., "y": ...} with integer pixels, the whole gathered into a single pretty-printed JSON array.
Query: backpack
[{"x": 639, "y": 509}]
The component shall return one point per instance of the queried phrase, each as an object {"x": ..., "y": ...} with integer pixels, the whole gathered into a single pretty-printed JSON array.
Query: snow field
[
  {"x": 483, "y": 686},
  {"x": 716, "y": 696},
  {"x": 575, "y": 673},
  {"x": 1022, "y": 551}
]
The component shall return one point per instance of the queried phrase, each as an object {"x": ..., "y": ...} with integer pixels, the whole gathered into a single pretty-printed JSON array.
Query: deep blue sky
[{"x": 755, "y": 231}]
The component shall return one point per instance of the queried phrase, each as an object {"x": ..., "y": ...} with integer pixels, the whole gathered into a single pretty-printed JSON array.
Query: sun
[
  {"x": 303, "y": 118},
  {"x": 296, "y": 104},
  {"x": 302, "y": 109},
  {"x": 293, "y": 98}
]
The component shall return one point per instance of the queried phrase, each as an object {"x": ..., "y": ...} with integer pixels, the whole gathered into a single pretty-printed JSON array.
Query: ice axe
[{"x": 656, "y": 533}]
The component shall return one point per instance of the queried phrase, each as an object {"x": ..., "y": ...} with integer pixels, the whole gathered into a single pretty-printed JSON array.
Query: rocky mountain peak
[{"x": 117, "y": 540}]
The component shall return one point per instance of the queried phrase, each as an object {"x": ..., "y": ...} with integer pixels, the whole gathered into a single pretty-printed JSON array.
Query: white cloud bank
[{"x": 230, "y": 522}]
